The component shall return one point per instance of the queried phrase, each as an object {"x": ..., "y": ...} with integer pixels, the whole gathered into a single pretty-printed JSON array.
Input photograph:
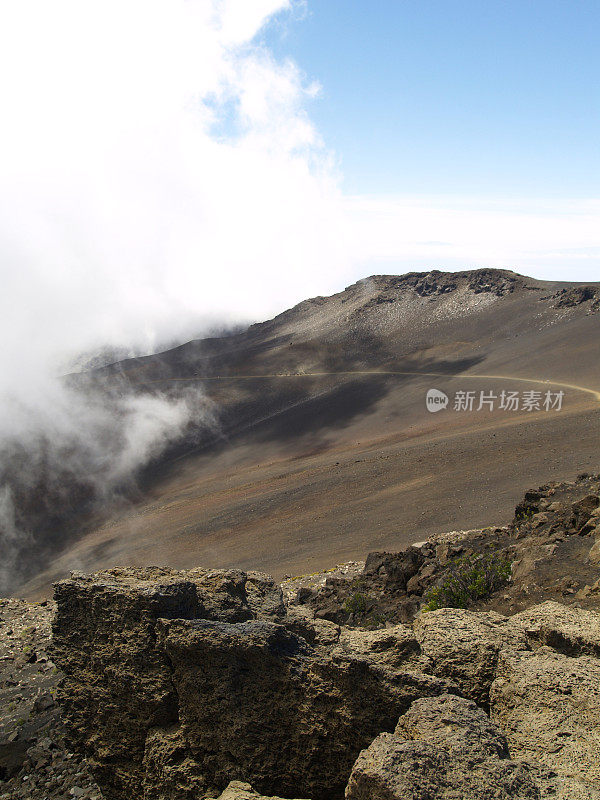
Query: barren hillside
[{"x": 324, "y": 448}]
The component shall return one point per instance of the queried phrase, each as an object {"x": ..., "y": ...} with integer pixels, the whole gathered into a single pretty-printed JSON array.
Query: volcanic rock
[
  {"x": 177, "y": 683},
  {"x": 444, "y": 748},
  {"x": 548, "y": 705},
  {"x": 242, "y": 791},
  {"x": 464, "y": 646}
]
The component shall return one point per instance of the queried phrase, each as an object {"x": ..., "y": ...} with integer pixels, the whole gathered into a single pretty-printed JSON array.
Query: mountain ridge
[
  {"x": 334, "y": 389},
  {"x": 481, "y": 280}
]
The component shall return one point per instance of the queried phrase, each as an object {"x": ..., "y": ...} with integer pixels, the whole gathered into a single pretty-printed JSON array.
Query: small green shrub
[
  {"x": 525, "y": 515},
  {"x": 357, "y": 604},
  {"x": 468, "y": 579}
]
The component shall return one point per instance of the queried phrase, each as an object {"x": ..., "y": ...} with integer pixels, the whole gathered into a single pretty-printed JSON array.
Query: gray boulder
[
  {"x": 117, "y": 694},
  {"x": 463, "y": 645},
  {"x": 443, "y": 748},
  {"x": 548, "y": 704},
  {"x": 177, "y": 683},
  {"x": 237, "y": 790}
]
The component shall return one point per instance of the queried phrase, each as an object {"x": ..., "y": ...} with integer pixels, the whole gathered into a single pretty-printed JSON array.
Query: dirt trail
[{"x": 378, "y": 373}]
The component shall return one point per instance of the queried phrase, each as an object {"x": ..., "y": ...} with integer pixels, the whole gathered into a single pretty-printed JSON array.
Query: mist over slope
[
  {"x": 319, "y": 438},
  {"x": 121, "y": 180},
  {"x": 80, "y": 458}
]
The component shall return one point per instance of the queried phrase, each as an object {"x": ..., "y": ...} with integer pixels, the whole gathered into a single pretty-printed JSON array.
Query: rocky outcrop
[
  {"x": 435, "y": 283},
  {"x": 548, "y": 705},
  {"x": 377, "y": 595},
  {"x": 177, "y": 683},
  {"x": 242, "y": 791},
  {"x": 570, "y": 631},
  {"x": 575, "y": 296},
  {"x": 117, "y": 687},
  {"x": 464, "y": 646},
  {"x": 444, "y": 748},
  {"x": 554, "y": 525}
]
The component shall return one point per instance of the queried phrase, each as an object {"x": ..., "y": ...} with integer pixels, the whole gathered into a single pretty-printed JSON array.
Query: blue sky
[
  {"x": 179, "y": 182},
  {"x": 454, "y": 97}
]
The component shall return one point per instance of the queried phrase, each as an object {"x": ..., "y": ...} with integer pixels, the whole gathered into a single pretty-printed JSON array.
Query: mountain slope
[{"x": 324, "y": 447}]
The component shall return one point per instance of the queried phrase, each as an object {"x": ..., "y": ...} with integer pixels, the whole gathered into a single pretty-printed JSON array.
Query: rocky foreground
[{"x": 197, "y": 684}]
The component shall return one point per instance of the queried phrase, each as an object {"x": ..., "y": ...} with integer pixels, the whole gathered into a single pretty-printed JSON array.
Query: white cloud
[
  {"x": 157, "y": 172},
  {"x": 554, "y": 239}
]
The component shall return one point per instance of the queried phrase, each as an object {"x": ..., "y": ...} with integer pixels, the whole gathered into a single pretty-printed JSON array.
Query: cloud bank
[
  {"x": 158, "y": 170},
  {"x": 159, "y": 174}
]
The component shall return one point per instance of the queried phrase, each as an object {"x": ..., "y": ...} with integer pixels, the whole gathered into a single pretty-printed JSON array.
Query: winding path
[{"x": 547, "y": 382}]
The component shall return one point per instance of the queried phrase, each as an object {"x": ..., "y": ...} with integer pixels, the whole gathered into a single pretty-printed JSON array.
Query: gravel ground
[{"x": 35, "y": 763}]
